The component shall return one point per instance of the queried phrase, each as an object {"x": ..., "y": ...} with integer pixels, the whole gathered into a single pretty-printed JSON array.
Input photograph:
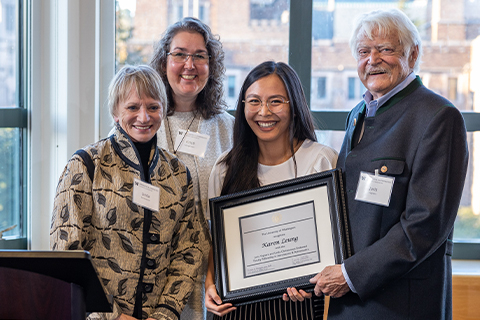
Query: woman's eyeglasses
[
  {"x": 275, "y": 105},
  {"x": 197, "y": 58}
]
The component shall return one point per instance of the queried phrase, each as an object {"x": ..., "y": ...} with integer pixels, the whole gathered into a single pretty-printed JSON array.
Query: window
[
  {"x": 180, "y": 12},
  {"x": 452, "y": 89},
  {"x": 267, "y": 9},
  {"x": 321, "y": 88},
  {"x": 12, "y": 129},
  {"x": 351, "y": 88},
  {"x": 201, "y": 13},
  {"x": 10, "y": 17},
  {"x": 231, "y": 86},
  {"x": 445, "y": 69},
  {"x": 322, "y": 30},
  {"x": 314, "y": 40}
]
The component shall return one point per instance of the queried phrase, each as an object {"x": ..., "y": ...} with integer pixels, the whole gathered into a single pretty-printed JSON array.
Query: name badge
[
  {"x": 191, "y": 142},
  {"x": 374, "y": 188},
  {"x": 146, "y": 195}
]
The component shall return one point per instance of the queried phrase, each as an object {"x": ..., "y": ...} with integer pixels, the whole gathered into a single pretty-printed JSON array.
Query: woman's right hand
[{"x": 214, "y": 304}]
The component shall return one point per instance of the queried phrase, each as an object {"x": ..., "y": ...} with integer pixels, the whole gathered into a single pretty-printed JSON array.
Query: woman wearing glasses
[
  {"x": 274, "y": 140},
  {"x": 197, "y": 130}
]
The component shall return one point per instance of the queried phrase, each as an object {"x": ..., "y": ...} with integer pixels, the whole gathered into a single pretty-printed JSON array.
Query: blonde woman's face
[{"x": 139, "y": 117}]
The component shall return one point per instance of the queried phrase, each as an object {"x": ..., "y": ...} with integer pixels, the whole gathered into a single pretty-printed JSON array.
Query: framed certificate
[{"x": 278, "y": 236}]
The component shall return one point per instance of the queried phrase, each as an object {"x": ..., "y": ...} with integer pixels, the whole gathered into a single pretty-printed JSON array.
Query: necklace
[{"x": 171, "y": 137}]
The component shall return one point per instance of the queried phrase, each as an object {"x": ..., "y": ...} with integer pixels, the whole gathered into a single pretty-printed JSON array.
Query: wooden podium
[{"x": 49, "y": 285}]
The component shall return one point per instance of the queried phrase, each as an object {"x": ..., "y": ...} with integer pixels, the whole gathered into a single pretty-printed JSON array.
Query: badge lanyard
[{"x": 170, "y": 131}]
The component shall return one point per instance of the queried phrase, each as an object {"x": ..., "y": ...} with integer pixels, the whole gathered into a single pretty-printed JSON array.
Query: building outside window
[{"x": 260, "y": 30}]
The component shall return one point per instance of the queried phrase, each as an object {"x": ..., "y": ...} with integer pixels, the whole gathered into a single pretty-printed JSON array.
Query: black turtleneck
[{"x": 144, "y": 149}]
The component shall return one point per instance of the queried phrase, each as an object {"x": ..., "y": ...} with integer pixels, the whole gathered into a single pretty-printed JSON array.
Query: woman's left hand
[{"x": 296, "y": 295}]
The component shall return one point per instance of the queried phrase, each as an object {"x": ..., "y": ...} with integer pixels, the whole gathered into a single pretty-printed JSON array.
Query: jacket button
[
  {"x": 151, "y": 263},
  {"x": 153, "y": 238},
  {"x": 384, "y": 169},
  {"x": 147, "y": 287}
]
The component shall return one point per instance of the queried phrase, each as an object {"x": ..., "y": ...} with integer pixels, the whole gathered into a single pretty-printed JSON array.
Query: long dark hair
[
  {"x": 210, "y": 100},
  {"x": 242, "y": 160}
]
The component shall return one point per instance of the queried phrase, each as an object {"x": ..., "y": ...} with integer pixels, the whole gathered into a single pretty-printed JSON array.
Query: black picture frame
[{"x": 248, "y": 270}]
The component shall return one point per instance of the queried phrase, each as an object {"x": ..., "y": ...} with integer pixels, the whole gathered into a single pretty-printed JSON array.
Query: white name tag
[
  {"x": 375, "y": 189},
  {"x": 191, "y": 142},
  {"x": 146, "y": 195}
]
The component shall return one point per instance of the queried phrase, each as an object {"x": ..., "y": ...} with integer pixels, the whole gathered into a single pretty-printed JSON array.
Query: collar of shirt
[{"x": 375, "y": 104}]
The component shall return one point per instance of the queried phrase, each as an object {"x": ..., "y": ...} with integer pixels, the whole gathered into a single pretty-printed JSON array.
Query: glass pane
[
  {"x": 450, "y": 38},
  {"x": 467, "y": 224},
  {"x": 10, "y": 181},
  {"x": 11, "y": 184},
  {"x": 8, "y": 53},
  {"x": 450, "y": 66},
  {"x": 257, "y": 31},
  {"x": 330, "y": 138}
]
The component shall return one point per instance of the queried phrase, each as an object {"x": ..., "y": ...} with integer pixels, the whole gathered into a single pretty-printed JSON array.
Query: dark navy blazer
[{"x": 401, "y": 262}]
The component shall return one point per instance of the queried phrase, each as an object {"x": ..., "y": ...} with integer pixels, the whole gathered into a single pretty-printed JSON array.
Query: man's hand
[{"x": 330, "y": 282}]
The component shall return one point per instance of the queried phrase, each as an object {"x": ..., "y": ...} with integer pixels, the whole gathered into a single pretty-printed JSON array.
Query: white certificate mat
[{"x": 240, "y": 275}]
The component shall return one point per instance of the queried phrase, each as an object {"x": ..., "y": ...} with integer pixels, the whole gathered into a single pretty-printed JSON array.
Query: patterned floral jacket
[{"x": 144, "y": 257}]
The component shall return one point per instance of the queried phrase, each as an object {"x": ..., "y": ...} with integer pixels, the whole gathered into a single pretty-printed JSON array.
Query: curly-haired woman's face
[{"x": 187, "y": 79}]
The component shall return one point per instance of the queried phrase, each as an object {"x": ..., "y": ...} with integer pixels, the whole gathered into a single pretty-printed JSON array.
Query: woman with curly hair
[{"x": 197, "y": 129}]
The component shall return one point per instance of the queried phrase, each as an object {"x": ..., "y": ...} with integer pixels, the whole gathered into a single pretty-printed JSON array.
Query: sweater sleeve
[
  {"x": 217, "y": 176},
  {"x": 72, "y": 213},
  {"x": 72, "y": 207}
]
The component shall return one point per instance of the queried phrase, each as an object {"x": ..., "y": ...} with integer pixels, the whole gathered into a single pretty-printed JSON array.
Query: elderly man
[{"x": 404, "y": 160}]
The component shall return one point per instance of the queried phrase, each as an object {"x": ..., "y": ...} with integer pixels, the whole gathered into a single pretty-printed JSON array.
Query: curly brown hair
[{"x": 210, "y": 100}]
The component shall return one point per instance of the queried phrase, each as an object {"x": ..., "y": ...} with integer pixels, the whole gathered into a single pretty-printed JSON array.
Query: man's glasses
[
  {"x": 275, "y": 105},
  {"x": 197, "y": 58}
]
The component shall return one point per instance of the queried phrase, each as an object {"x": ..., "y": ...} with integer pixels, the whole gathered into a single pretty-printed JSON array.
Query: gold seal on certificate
[{"x": 277, "y": 217}]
